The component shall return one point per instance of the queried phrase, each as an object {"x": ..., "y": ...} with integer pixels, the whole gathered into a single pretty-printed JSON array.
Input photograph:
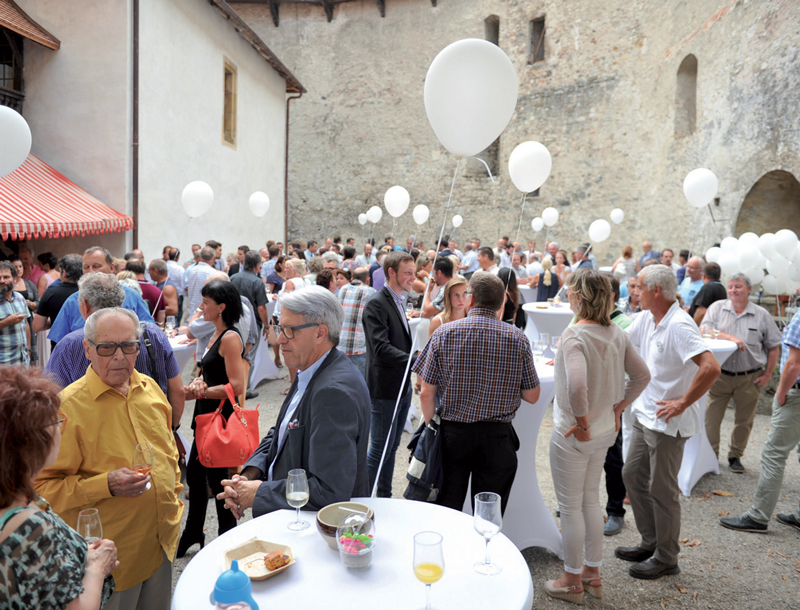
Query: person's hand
[
  {"x": 102, "y": 558},
  {"x": 617, "y": 421},
  {"x": 762, "y": 381},
  {"x": 197, "y": 388},
  {"x": 14, "y": 319},
  {"x": 127, "y": 483},
  {"x": 581, "y": 435},
  {"x": 669, "y": 409},
  {"x": 740, "y": 345},
  {"x": 781, "y": 400},
  {"x": 239, "y": 494}
]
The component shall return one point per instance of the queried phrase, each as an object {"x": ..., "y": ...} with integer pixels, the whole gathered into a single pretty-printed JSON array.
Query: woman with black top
[
  {"x": 512, "y": 311},
  {"x": 547, "y": 282},
  {"x": 221, "y": 364}
]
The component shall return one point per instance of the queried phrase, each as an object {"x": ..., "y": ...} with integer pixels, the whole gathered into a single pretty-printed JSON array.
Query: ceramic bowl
[{"x": 329, "y": 518}]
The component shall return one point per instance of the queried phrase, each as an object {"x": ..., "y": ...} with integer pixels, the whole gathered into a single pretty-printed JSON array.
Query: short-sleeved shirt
[
  {"x": 153, "y": 297},
  {"x": 754, "y": 326},
  {"x": 268, "y": 268},
  {"x": 53, "y": 299},
  {"x": 13, "y": 341},
  {"x": 194, "y": 279},
  {"x": 353, "y": 297},
  {"x": 709, "y": 293},
  {"x": 479, "y": 366},
  {"x": 668, "y": 350},
  {"x": 470, "y": 261},
  {"x": 791, "y": 338},
  {"x": 251, "y": 287},
  {"x": 689, "y": 290}
]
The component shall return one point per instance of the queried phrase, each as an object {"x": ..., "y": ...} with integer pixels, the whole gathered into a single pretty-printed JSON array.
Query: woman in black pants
[{"x": 222, "y": 364}]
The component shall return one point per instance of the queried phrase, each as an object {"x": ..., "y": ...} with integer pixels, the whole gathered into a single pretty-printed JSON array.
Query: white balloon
[
  {"x": 529, "y": 166},
  {"x": 15, "y": 136},
  {"x": 729, "y": 243},
  {"x": 796, "y": 256},
  {"x": 755, "y": 275},
  {"x": 617, "y": 216},
  {"x": 785, "y": 242},
  {"x": 396, "y": 201},
  {"x": 599, "y": 230},
  {"x": 771, "y": 285},
  {"x": 713, "y": 254},
  {"x": 728, "y": 262},
  {"x": 470, "y": 94},
  {"x": 765, "y": 244},
  {"x": 778, "y": 266},
  {"x": 793, "y": 273},
  {"x": 748, "y": 238},
  {"x": 374, "y": 214},
  {"x": 788, "y": 286},
  {"x": 748, "y": 254},
  {"x": 197, "y": 198},
  {"x": 550, "y": 216},
  {"x": 457, "y": 220},
  {"x": 259, "y": 203},
  {"x": 700, "y": 187},
  {"x": 362, "y": 219},
  {"x": 420, "y": 214},
  {"x": 537, "y": 224}
]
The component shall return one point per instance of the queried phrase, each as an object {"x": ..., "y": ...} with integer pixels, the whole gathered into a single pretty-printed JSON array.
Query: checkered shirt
[
  {"x": 13, "y": 344},
  {"x": 353, "y": 298},
  {"x": 791, "y": 338},
  {"x": 479, "y": 366}
]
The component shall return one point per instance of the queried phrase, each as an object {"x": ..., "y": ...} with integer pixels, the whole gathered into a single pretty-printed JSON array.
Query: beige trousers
[
  {"x": 744, "y": 394},
  {"x": 155, "y": 593}
]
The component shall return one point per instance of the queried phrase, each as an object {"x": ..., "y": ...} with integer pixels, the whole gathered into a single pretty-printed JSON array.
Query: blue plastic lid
[{"x": 234, "y": 586}]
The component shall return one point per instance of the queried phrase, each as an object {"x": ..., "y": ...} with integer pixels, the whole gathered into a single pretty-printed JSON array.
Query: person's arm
[
  {"x": 170, "y": 301},
  {"x": 376, "y": 331},
  {"x": 176, "y": 399},
  {"x": 772, "y": 360},
  {"x": 428, "y": 308},
  {"x": 436, "y": 322},
  {"x": 11, "y": 320},
  {"x": 100, "y": 562},
  {"x": 41, "y": 284},
  {"x": 40, "y": 323},
  {"x": 531, "y": 395},
  {"x": 28, "y": 337},
  {"x": 705, "y": 377},
  {"x": 699, "y": 314},
  {"x": 262, "y": 313},
  {"x": 789, "y": 376},
  {"x": 198, "y": 327},
  {"x": 427, "y": 400}
]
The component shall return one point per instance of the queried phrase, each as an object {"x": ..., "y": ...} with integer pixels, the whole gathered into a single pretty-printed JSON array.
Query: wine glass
[
  {"x": 409, "y": 308},
  {"x": 89, "y": 526},
  {"x": 554, "y": 341},
  {"x": 297, "y": 496},
  {"x": 170, "y": 326},
  {"x": 487, "y": 521},
  {"x": 143, "y": 460},
  {"x": 544, "y": 339},
  {"x": 538, "y": 350},
  {"x": 716, "y": 332},
  {"x": 428, "y": 561}
]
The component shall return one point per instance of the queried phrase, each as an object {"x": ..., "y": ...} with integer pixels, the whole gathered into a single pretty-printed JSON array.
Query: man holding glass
[{"x": 111, "y": 410}]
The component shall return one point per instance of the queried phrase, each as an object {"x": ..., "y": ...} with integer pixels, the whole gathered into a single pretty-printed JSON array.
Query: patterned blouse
[{"x": 42, "y": 563}]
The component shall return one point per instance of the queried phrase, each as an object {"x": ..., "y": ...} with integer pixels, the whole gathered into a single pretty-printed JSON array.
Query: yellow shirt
[{"x": 102, "y": 431}]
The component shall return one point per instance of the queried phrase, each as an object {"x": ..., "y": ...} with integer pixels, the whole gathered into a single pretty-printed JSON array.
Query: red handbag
[{"x": 222, "y": 444}]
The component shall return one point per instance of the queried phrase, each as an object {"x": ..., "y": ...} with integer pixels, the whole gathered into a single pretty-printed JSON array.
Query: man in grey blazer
[{"x": 323, "y": 425}]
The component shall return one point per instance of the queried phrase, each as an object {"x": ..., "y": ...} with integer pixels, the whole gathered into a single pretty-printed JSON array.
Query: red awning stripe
[{"x": 38, "y": 201}]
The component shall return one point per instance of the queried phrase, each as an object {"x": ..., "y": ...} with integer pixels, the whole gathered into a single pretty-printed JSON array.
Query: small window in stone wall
[
  {"x": 536, "y": 40},
  {"x": 686, "y": 97},
  {"x": 229, "y": 107}
]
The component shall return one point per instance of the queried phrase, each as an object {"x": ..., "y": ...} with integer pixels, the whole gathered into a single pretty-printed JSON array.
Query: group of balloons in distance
[
  {"x": 198, "y": 197},
  {"x": 397, "y": 201}
]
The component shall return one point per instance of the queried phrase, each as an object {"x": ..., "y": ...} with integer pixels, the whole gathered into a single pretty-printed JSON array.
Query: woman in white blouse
[{"x": 591, "y": 393}]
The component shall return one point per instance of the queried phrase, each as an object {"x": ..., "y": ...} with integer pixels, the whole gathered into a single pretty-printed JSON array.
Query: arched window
[{"x": 686, "y": 97}]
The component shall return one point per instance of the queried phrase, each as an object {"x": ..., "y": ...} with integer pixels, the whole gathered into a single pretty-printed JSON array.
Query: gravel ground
[{"x": 726, "y": 570}]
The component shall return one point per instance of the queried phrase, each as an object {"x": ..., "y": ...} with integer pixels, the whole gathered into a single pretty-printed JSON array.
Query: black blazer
[{"x": 388, "y": 346}]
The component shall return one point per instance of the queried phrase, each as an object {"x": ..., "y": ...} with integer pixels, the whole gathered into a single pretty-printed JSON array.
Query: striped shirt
[
  {"x": 194, "y": 279},
  {"x": 479, "y": 366},
  {"x": 13, "y": 342},
  {"x": 353, "y": 297},
  {"x": 791, "y": 338},
  {"x": 754, "y": 326}
]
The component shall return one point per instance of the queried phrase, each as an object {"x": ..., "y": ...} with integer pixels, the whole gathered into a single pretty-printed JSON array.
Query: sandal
[
  {"x": 286, "y": 391},
  {"x": 572, "y": 594},
  {"x": 593, "y": 590}
]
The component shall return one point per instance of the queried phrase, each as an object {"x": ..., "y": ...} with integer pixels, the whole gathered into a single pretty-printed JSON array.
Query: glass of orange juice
[{"x": 428, "y": 561}]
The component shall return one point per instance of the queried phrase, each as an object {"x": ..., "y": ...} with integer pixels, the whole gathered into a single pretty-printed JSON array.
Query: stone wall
[{"x": 603, "y": 102}]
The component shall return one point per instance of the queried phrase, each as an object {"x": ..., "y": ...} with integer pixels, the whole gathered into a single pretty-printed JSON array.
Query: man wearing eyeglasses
[
  {"x": 15, "y": 336},
  {"x": 111, "y": 410}
]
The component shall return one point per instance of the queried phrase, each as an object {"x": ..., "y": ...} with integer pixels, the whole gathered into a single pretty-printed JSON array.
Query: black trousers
[
  {"x": 615, "y": 487},
  {"x": 199, "y": 479},
  {"x": 485, "y": 450}
]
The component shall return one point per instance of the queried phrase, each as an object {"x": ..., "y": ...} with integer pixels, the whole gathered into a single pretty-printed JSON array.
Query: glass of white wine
[
  {"x": 554, "y": 345},
  {"x": 89, "y": 526},
  {"x": 297, "y": 496},
  {"x": 716, "y": 332},
  {"x": 538, "y": 349},
  {"x": 488, "y": 521},
  {"x": 428, "y": 561},
  {"x": 143, "y": 460},
  {"x": 170, "y": 326}
]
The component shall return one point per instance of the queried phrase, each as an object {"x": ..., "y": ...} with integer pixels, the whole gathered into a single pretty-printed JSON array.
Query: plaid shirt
[
  {"x": 353, "y": 298},
  {"x": 13, "y": 344},
  {"x": 791, "y": 338},
  {"x": 479, "y": 366}
]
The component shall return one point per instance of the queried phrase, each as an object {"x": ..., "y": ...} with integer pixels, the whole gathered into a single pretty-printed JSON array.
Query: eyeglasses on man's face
[
  {"x": 109, "y": 349},
  {"x": 288, "y": 331}
]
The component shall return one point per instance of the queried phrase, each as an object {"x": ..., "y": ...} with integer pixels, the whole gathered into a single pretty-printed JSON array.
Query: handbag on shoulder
[{"x": 226, "y": 444}]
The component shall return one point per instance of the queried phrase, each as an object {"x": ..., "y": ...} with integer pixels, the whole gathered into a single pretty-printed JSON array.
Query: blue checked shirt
[
  {"x": 791, "y": 338},
  {"x": 268, "y": 267},
  {"x": 353, "y": 297},
  {"x": 13, "y": 344}
]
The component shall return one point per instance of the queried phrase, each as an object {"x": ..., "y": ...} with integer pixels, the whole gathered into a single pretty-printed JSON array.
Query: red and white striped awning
[{"x": 37, "y": 201}]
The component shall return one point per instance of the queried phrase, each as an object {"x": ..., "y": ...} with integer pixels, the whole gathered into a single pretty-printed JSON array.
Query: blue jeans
[
  {"x": 360, "y": 362},
  {"x": 380, "y": 422}
]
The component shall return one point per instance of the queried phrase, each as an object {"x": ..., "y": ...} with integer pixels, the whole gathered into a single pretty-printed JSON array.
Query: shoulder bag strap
[{"x": 150, "y": 352}]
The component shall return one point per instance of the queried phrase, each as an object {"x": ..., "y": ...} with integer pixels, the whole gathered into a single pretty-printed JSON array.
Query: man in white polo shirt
[{"x": 666, "y": 414}]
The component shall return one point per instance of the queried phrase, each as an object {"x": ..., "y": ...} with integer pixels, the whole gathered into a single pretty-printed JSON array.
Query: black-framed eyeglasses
[
  {"x": 109, "y": 349},
  {"x": 288, "y": 331}
]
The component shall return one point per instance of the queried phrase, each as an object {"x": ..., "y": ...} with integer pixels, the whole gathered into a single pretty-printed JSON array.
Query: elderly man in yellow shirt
[{"x": 111, "y": 409}]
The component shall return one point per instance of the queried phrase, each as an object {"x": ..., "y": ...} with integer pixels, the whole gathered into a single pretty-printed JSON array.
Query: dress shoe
[
  {"x": 652, "y": 569},
  {"x": 251, "y": 394},
  {"x": 187, "y": 540},
  {"x": 735, "y": 464},
  {"x": 614, "y": 525},
  {"x": 789, "y": 520},
  {"x": 632, "y": 553},
  {"x": 743, "y": 523},
  {"x": 572, "y": 594}
]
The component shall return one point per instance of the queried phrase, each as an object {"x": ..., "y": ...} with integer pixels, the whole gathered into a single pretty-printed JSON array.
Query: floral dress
[{"x": 42, "y": 563}]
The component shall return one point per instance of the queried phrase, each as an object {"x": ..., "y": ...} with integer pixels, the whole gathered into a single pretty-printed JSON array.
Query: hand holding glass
[
  {"x": 143, "y": 460},
  {"x": 89, "y": 526},
  {"x": 297, "y": 496},
  {"x": 488, "y": 521},
  {"x": 428, "y": 561}
]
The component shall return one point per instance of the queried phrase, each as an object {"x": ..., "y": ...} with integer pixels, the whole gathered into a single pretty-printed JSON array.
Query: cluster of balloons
[
  {"x": 549, "y": 217},
  {"x": 772, "y": 260},
  {"x": 15, "y": 140},
  {"x": 198, "y": 197},
  {"x": 397, "y": 201}
]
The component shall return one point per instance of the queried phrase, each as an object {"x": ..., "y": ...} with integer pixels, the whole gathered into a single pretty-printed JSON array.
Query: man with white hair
[
  {"x": 693, "y": 281},
  {"x": 323, "y": 424},
  {"x": 552, "y": 250},
  {"x": 665, "y": 415}
]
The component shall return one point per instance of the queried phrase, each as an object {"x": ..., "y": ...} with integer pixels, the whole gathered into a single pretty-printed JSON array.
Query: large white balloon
[
  {"x": 420, "y": 214},
  {"x": 550, "y": 216},
  {"x": 713, "y": 254},
  {"x": 765, "y": 245},
  {"x": 796, "y": 256},
  {"x": 778, "y": 266},
  {"x": 374, "y": 214},
  {"x": 537, "y": 224},
  {"x": 749, "y": 255},
  {"x": 259, "y": 203},
  {"x": 529, "y": 166},
  {"x": 748, "y": 238},
  {"x": 793, "y": 273},
  {"x": 396, "y": 201},
  {"x": 599, "y": 230},
  {"x": 785, "y": 241},
  {"x": 771, "y": 285},
  {"x": 700, "y": 187},
  {"x": 470, "y": 94},
  {"x": 729, "y": 243},
  {"x": 755, "y": 275},
  {"x": 788, "y": 286},
  {"x": 15, "y": 140},
  {"x": 362, "y": 219},
  {"x": 617, "y": 216},
  {"x": 457, "y": 220},
  {"x": 728, "y": 262},
  {"x": 197, "y": 198}
]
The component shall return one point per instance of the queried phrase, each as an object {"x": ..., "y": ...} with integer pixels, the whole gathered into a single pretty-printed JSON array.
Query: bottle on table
[{"x": 233, "y": 590}]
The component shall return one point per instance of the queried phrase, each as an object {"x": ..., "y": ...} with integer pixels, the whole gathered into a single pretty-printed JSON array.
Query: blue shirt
[
  {"x": 689, "y": 289},
  {"x": 791, "y": 338},
  {"x": 13, "y": 343},
  {"x": 400, "y": 302},
  {"x": 69, "y": 318}
]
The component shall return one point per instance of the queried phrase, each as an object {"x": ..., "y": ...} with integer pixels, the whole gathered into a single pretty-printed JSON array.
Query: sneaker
[
  {"x": 614, "y": 525},
  {"x": 735, "y": 465},
  {"x": 789, "y": 520},
  {"x": 743, "y": 524}
]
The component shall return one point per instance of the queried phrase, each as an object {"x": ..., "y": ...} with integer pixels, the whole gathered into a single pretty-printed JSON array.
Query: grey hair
[
  {"x": 207, "y": 254},
  {"x": 160, "y": 266},
  {"x": 100, "y": 291},
  {"x": 72, "y": 266},
  {"x": 109, "y": 257},
  {"x": 316, "y": 264},
  {"x": 316, "y": 305},
  {"x": 663, "y": 276},
  {"x": 741, "y": 276},
  {"x": 330, "y": 256},
  {"x": 90, "y": 329},
  {"x": 132, "y": 284},
  {"x": 252, "y": 260}
]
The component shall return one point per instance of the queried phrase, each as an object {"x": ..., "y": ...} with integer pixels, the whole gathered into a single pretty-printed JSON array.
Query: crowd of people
[{"x": 88, "y": 374}]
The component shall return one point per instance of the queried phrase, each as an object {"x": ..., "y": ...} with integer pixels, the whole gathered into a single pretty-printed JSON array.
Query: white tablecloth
[
  {"x": 319, "y": 580},
  {"x": 553, "y": 320},
  {"x": 527, "y": 294},
  {"x": 183, "y": 353}
]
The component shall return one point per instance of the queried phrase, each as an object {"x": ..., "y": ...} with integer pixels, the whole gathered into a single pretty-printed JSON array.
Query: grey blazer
[{"x": 329, "y": 442}]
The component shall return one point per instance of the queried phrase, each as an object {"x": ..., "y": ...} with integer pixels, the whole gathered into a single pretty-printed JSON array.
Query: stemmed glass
[
  {"x": 89, "y": 526},
  {"x": 297, "y": 496},
  {"x": 554, "y": 345},
  {"x": 544, "y": 339},
  {"x": 428, "y": 561},
  {"x": 538, "y": 350},
  {"x": 488, "y": 521},
  {"x": 409, "y": 308},
  {"x": 143, "y": 460},
  {"x": 716, "y": 332}
]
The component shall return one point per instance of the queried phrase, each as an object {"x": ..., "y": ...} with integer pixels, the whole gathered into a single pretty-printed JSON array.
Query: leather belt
[{"x": 750, "y": 372}]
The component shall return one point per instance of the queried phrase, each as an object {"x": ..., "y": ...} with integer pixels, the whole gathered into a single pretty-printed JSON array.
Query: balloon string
[
  {"x": 487, "y": 167},
  {"x": 413, "y": 344},
  {"x": 519, "y": 228},
  {"x": 394, "y": 224}
]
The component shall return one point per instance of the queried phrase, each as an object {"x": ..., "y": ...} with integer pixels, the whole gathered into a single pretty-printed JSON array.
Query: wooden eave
[
  {"x": 15, "y": 19},
  {"x": 327, "y": 6}
]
